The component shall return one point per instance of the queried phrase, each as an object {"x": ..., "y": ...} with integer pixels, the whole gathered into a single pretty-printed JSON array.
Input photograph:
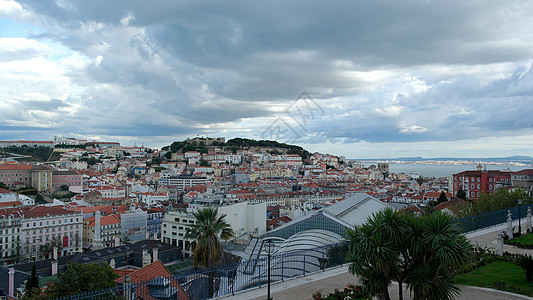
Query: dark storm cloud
[{"x": 428, "y": 70}]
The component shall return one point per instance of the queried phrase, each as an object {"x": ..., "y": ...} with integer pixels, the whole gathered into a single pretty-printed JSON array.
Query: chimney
[
  {"x": 155, "y": 253},
  {"x": 146, "y": 258},
  {"x": 55, "y": 253},
  {"x": 11, "y": 282},
  {"x": 54, "y": 267},
  {"x": 117, "y": 241}
]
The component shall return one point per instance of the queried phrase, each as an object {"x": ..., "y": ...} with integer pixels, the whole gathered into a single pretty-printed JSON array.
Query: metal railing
[
  {"x": 490, "y": 219},
  {"x": 226, "y": 280}
]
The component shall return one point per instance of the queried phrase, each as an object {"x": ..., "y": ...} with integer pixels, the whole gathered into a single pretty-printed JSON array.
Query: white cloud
[{"x": 379, "y": 70}]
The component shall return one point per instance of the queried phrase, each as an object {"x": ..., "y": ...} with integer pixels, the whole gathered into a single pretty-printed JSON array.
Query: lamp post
[
  {"x": 268, "y": 248},
  {"x": 519, "y": 216}
]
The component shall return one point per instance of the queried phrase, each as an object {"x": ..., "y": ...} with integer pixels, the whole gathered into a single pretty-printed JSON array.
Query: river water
[{"x": 441, "y": 170}]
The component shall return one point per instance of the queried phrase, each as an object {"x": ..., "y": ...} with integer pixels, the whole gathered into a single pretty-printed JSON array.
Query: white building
[
  {"x": 242, "y": 217},
  {"x": 43, "y": 224},
  {"x": 10, "y": 233}
]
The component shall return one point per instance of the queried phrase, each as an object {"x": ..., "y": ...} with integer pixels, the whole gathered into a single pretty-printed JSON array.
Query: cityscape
[
  {"x": 280, "y": 150},
  {"x": 70, "y": 199}
]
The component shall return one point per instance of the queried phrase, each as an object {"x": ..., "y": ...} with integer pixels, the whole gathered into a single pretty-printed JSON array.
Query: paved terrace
[{"x": 327, "y": 281}]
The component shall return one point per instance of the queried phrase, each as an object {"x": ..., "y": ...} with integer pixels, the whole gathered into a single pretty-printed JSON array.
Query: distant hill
[
  {"x": 39, "y": 154},
  {"x": 515, "y": 158},
  {"x": 236, "y": 144}
]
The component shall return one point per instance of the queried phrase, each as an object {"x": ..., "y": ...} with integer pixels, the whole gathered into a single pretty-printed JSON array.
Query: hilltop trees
[{"x": 420, "y": 252}]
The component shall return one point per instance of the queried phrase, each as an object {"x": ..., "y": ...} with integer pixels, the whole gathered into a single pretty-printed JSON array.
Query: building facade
[
  {"x": 44, "y": 225},
  {"x": 474, "y": 183},
  {"x": 110, "y": 227},
  {"x": 10, "y": 234},
  {"x": 182, "y": 181}
]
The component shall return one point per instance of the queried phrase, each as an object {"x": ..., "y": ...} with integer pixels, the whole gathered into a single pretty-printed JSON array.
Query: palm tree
[
  {"x": 207, "y": 230},
  {"x": 436, "y": 249},
  {"x": 375, "y": 249},
  {"x": 422, "y": 252},
  {"x": 526, "y": 263}
]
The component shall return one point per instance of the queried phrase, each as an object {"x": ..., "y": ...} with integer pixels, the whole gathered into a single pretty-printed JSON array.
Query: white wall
[{"x": 244, "y": 217}]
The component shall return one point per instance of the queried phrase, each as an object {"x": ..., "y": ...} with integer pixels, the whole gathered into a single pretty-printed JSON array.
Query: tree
[
  {"x": 442, "y": 197},
  {"x": 207, "y": 230},
  {"x": 39, "y": 199},
  {"x": 204, "y": 163},
  {"x": 32, "y": 282},
  {"x": 461, "y": 193},
  {"x": 80, "y": 278},
  {"x": 499, "y": 200},
  {"x": 526, "y": 262},
  {"x": 435, "y": 250},
  {"x": 422, "y": 252}
]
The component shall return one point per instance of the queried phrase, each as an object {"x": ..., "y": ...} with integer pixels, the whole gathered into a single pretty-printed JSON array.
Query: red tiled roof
[
  {"x": 15, "y": 167},
  {"x": 524, "y": 172},
  {"x": 105, "y": 220},
  {"x": 151, "y": 271},
  {"x": 10, "y": 204},
  {"x": 41, "y": 211}
]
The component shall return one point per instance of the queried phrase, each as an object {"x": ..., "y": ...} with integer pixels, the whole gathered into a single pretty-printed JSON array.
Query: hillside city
[{"x": 132, "y": 206}]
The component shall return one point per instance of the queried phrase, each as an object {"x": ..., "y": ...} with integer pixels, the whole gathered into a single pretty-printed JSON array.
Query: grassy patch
[
  {"x": 526, "y": 240},
  {"x": 500, "y": 275}
]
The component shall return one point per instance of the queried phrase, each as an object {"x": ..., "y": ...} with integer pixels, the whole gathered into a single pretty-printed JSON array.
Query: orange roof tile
[{"x": 151, "y": 271}]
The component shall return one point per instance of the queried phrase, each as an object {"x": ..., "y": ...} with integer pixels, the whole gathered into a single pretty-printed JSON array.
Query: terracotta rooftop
[
  {"x": 42, "y": 211},
  {"x": 150, "y": 272}
]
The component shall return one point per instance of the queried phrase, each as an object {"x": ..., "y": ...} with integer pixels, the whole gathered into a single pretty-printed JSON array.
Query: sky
[{"x": 363, "y": 79}]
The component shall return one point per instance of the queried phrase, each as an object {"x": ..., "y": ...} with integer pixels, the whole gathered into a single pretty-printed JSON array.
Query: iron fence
[
  {"x": 485, "y": 220},
  {"x": 229, "y": 279},
  {"x": 226, "y": 280}
]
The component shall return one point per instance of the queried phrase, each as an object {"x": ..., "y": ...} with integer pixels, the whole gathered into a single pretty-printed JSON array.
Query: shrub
[{"x": 350, "y": 292}]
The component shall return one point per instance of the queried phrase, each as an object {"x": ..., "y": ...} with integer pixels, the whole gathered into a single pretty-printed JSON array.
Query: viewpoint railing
[
  {"x": 485, "y": 220},
  {"x": 230, "y": 279},
  {"x": 227, "y": 280}
]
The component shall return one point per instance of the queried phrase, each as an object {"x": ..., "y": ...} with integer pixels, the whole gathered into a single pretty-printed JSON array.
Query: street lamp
[
  {"x": 519, "y": 216},
  {"x": 269, "y": 248}
]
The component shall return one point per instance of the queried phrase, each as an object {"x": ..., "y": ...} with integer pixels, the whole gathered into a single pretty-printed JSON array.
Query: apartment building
[
  {"x": 110, "y": 227},
  {"x": 10, "y": 233},
  {"x": 43, "y": 224},
  {"x": 182, "y": 181},
  {"x": 242, "y": 217}
]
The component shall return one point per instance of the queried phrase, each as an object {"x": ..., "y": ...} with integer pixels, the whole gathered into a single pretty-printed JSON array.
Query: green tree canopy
[
  {"x": 442, "y": 197},
  {"x": 421, "y": 252},
  {"x": 461, "y": 194},
  {"x": 501, "y": 199},
  {"x": 80, "y": 278},
  {"x": 32, "y": 282},
  {"x": 207, "y": 230}
]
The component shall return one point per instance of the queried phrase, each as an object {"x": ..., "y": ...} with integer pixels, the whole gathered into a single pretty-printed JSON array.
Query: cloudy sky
[{"x": 363, "y": 79}]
